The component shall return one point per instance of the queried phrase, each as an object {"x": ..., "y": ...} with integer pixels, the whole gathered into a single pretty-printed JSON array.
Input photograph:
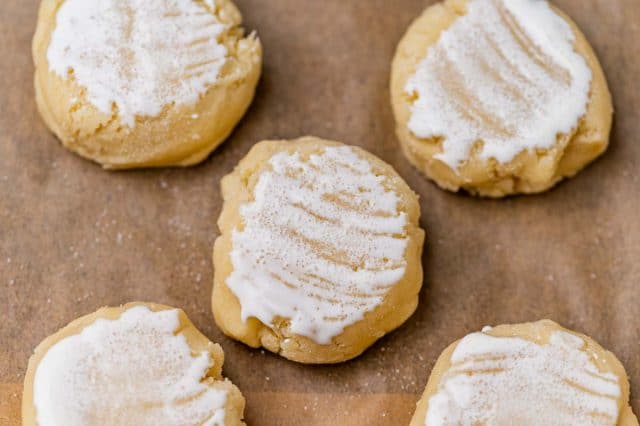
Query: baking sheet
[{"x": 74, "y": 237}]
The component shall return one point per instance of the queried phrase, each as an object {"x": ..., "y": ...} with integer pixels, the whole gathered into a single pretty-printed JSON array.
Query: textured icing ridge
[
  {"x": 505, "y": 74},
  {"x": 322, "y": 243},
  {"x": 508, "y": 380},
  {"x": 137, "y": 56},
  {"x": 137, "y": 370}
]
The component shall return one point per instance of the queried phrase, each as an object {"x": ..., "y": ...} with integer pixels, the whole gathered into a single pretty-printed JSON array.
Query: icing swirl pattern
[
  {"x": 322, "y": 242},
  {"x": 509, "y": 380},
  {"x": 135, "y": 57},
  {"x": 502, "y": 79},
  {"x": 137, "y": 369}
]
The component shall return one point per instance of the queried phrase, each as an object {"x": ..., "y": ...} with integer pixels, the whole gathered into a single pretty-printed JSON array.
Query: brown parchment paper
[{"x": 74, "y": 237}]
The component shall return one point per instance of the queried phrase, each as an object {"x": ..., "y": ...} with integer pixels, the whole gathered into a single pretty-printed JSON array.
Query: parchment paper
[{"x": 74, "y": 237}]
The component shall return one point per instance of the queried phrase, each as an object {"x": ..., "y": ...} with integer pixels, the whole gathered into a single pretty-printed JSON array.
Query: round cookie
[
  {"x": 498, "y": 97},
  {"x": 526, "y": 374},
  {"x": 138, "y": 364},
  {"x": 319, "y": 253},
  {"x": 143, "y": 83}
]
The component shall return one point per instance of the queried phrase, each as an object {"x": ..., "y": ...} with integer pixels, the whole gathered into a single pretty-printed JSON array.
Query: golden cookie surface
[
  {"x": 527, "y": 374},
  {"x": 319, "y": 253},
  {"x": 498, "y": 97},
  {"x": 138, "y": 364},
  {"x": 139, "y": 83}
]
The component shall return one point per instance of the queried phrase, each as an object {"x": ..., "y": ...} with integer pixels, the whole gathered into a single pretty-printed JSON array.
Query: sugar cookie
[
  {"x": 319, "y": 252},
  {"x": 498, "y": 97},
  {"x": 143, "y": 83},
  {"x": 526, "y": 374},
  {"x": 140, "y": 364}
]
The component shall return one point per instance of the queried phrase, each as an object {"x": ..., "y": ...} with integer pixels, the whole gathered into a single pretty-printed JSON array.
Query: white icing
[
  {"x": 139, "y": 55},
  {"x": 135, "y": 370},
  {"x": 322, "y": 243},
  {"x": 505, "y": 74},
  {"x": 512, "y": 381}
]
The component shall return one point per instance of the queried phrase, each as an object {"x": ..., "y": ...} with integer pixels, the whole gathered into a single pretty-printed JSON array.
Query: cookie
[
  {"x": 139, "y": 364},
  {"x": 498, "y": 97},
  {"x": 143, "y": 83},
  {"x": 319, "y": 253},
  {"x": 526, "y": 374}
]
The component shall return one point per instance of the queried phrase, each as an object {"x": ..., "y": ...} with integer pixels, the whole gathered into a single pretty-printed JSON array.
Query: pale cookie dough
[
  {"x": 143, "y": 83},
  {"x": 139, "y": 364},
  {"x": 319, "y": 253},
  {"x": 532, "y": 374},
  {"x": 498, "y": 97}
]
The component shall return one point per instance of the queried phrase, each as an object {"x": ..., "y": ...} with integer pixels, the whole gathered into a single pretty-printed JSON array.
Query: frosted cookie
[
  {"x": 498, "y": 97},
  {"x": 526, "y": 374},
  {"x": 319, "y": 253},
  {"x": 140, "y": 364},
  {"x": 143, "y": 83}
]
